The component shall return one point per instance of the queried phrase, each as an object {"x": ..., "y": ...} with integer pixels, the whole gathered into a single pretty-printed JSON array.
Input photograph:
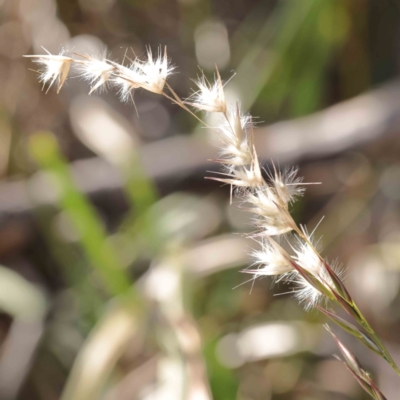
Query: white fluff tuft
[
  {"x": 53, "y": 68},
  {"x": 96, "y": 70},
  {"x": 210, "y": 96},
  {"x": 307, "y": 257},
  {"x": 287, "y": 185},
  {"x": 126, "y": 80},
  {"x": 155, "y": 71},
  {"x": 271, "y": 260},
  {"x": 236, "y": 138}
]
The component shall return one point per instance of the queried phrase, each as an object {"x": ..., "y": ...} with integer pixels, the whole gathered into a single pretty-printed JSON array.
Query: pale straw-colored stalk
[{"x": 268, "y": 199}]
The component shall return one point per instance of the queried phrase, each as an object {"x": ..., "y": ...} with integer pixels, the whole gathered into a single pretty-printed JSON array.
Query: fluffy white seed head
[
  {"x": 273, "y": 226},
  {"x": 53, "y": 68},
  {"x": 244, "y": 176},
  {"x": 271, "y": 260},
  {"x": 210, "y": 96},
  {"x": 249, "y": 176},
  {"x": 270, "y": 217},
  {"x": 306, "y": 256},
  {"x": 287, "y": 185},
  {"x": 150, "y": 75},
  {"x": 155, "y": 71},
  {"x": 126, "y": 80},
  {"x": 96, "y": 70},
  {"x": 262, "y": 202},
  {"x": 237, "y": 141}
]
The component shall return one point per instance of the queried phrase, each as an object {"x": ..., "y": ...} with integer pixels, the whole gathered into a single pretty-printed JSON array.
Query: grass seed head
[
  {"x": 96, "y": 70},
  {"x": 271, "y": 260},
  {"x": 53, "y": 68},
  {"x": 209, "y": 96}
]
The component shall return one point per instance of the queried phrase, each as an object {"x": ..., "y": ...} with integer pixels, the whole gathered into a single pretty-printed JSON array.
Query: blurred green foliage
[{"x": 89, "y": 228}]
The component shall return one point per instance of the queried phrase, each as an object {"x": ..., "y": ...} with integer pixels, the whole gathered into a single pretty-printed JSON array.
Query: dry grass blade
[
  {"x": 353, "y": 365},
  {"x": 100, "y": 354}
]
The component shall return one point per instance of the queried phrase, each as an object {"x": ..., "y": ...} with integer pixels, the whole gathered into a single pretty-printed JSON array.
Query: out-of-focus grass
[
  {"x": 287, "y": 64},
  {"x": 84, "y": 218},
  {"x": 223, "y": 381},
  {"x": 20, "y": 298},
  {"x": 89, "y": 373},
  {"x": 99, "y": 355}
]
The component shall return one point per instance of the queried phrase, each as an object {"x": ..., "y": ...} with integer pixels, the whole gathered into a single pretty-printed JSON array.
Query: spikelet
[
  {"x": 242, "y": 177},
  {"x": 354, "y": 367},
  {"x": 271, "y": 260},
  {"x": 126, "y": 79},
  {"x": 96, "y": 70},
  {"x": 307, "y": 256},
  {"x": 287, "y": 185},
  {"x": 236, "y": 139},
  {"x": 209, "y": 96},
  {"x": 155, "y": 71},
  {"x": 53, "y": 68},
  {"x": 269, "y": 217}
]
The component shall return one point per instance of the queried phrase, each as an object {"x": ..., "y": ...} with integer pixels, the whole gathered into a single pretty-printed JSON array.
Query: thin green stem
[
  {"x": 360, "y": 319},
  {"x": 386, "y": 355},
  {"x": 181, "y": 104}
]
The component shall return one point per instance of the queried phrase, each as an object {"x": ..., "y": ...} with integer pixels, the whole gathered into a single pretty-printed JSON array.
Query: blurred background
[{"x": 119, "y": 274}]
